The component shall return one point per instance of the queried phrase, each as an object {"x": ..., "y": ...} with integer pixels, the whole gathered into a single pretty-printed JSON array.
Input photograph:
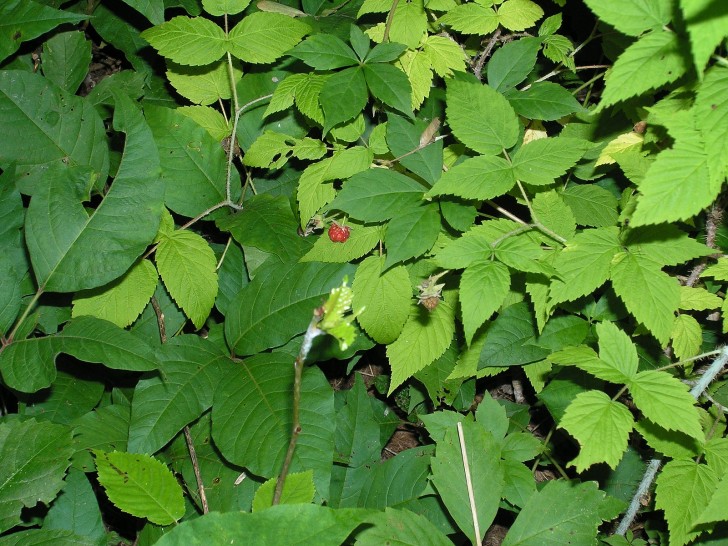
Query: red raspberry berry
[{"x": 339, "y": 233}]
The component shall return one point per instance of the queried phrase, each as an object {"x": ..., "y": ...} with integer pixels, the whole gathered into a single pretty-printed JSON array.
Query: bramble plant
[{"x": 526, "y": 196}]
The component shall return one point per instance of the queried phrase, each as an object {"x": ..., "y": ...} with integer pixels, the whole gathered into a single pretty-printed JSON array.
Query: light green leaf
[
  {"x": 23, "y": 20},
  {"x": 698, "y": 299},
  {"x": 419, "y": 72},
  {"x": 193, "y": 163},
  {"x": 35, "y": 457},
  {"x": 325, "y": 52},
  {"x": 542, "y": 160},
  {"x": 585, "y": 358},
  {"x": 519, "y": 15},
  {"x": 305, "y": 90},
  {"x": 718, "y": 270},
  {"x": 192, "y": 41},
  {"x": 591, "y": 205},
  {"x": 473, "y": 245},
  {"x": 671, "y": 443},
  {"x": 298, "y": 489},
  {"x": 252, "y": 412},
  {"x": 121, "y": 301},
  {"x": 343, "y": 96},
  {"x": 650, "y": 295},
  {"x": 270, "y": 150},
  {"x": 600, "y": 425},
  {"x": 677, "y": 185},
  {"x": 545, "y": 101},
  {"x": 471, "y": 18},
  {"x": 583, "y": 264},
  {"x": 523, "y": 254},
  {"x": 479, "y": 116},
  {"x": 264, "y": 37},
  {"x": 482, "y": 177},
  {"x": 189, "y": 370},
  {"x": 706, "y": 33},
  {"x": 683, "y": 491},
  {"x": 483, "y": 455},
  {"x": 483, "y": 288},
  {"x": 223, "y": 7},
  {"x": 140, "y": 485},
  {"x": 444, "y": 54},
  {"x": 187, "y": 266},
  {"x": 314, "y": 191},
  {"x": 360, "y": 242},
  {"x": 412, "y": 233},
  {"x": 562, "y": 511},
  {"x": 208, "y": 118},
  {"x": 385, "y": 296},
  {"x": 617, "y": 350},
  {"x": 203, "y": 84},
  {"x": 715, "y": 511},
  {"x": 711, "y": 118},
  {"x": 633, "y": 17},
  {"x": 424, "y": 338},
  {"x": 278, "y": 303},
  {"x": 409, "y": 23},
  {"x": 687, "y": 337},
  {"x": 655, "y": 59},
  {"x": 307, "y": 524},
  {"x": 376, "y": 195},
  {"x": 390, "y": 85},
  {"x": 36, "y": 108},
  {"x": 664, "y": 400},
  {"x": 554, "y": 213}
]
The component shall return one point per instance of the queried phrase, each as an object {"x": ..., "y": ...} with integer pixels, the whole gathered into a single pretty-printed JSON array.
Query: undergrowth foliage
[{"x": 513, "y": 208}]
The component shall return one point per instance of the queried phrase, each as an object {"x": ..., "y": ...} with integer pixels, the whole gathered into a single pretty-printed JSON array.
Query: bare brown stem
[
  {"x": 480, "y": 63},
  {"x": 196, "y": 468},
  {"x": 715, "y": 217}
]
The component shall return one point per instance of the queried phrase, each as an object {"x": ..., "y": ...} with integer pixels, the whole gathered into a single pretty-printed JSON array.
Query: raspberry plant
[{"x": 535, "y": 238}]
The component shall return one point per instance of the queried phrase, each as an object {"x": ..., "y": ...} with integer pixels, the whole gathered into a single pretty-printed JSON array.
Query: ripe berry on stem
[{"x": 339, "y": 233}]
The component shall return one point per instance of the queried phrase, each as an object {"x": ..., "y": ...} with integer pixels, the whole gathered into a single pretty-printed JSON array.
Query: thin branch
[
  {"x": 480, "y": 63},
  {"x": 536, "y": 221},
  {"x": 18, "y": 323},
  {"x": 390, "y": 17},
  {"x": 311, "y": 333},
  {"x": 469, "y": 484},
  {"x": 506, "y": 213},
  {"x": 160, "y": 319},
  {"x": 196, "y": 468},
  {"x": 712, "y": 222}
]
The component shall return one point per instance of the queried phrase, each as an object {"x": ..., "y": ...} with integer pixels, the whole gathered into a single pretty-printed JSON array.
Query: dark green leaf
[
  {"x": 411, "y": 233},
  {"x": 343, "y": 96},
  {"x": 385, "y": 52},
  {"x": 510, "y": 65},
  {"x": 403, "y": 139},
  {"x": 390, "y": 85},
  {"x": 325, "y": 52},
  {"x": 511, "y": 339},
  {"x": 546, "y": 101}
]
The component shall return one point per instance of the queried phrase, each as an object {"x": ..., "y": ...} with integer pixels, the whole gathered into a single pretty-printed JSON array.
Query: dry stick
[
  {"x": 469, "y": 484},
  {"x": 188, "y": 437},
  {"x": 715, "y": 217},
  {"x": 654, "y": 465},
  {"x": 311, "y": 332},
  {"x": 480, "y": 63}
]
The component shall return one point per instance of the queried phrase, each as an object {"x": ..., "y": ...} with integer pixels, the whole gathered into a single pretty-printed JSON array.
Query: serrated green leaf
[
  {"x": 385, "y": 52},
  {"x": 444, "y": 55},
  {"x": 519, "y": 14},
  {"x": 677, "y": 185},
  {"x": 711, "y": 118},
  {"x": 188, "y": 268},
  {"x": 583, "y": 265},
  {"x": 35, "y": 458},
  {"x": 553, "y": 213},
  {"x": 480, "y": 117},
  {"x": 77, "y": 510},
  {"x": 545, "y": 101},
  {"x": 298, "y": 489},
  {"x": 510, "y": 64},
  {"x": 687, "y": 337},
  {"x": 655, "y": 59},
  {"x": 208, "y": 118},
  {"x": 403, "y": 139},
  {"x": 385, "y": 296},
  {"x": 698, "y": 299},
  {"x": 361, "y": 240},
  {"x": 412, "y": 233},
  {"x": 668, "y": 442},
  {"x": 401, "y": 527},
  {"x": 314, "y": 191},
  {"x": 278, "y": 303},
  {"x": 140, "y": 485},
  {"x": 223, "y": 7},
  {"x": 192, "y": 41},
  {"x": 343, "y": 96},
  {"x": 483, "y": 456},
  {"x": 325, "y": 52},
  {"x": 121, "y": 301},
  {"x": 650, "y": 295},
  {"x": 617, "y": 350},
  {"x": 252, "y": 412},
  {"x": 409, "y": 23},
  {"x": 715, "y": 511},
  {"x": 471, "y": 18},
  {"x": 633, "y": 17},
  {"x": 264, "y": 37},
  {"x": 189, "y": 371},
  {"x": 705, "y": 33},
  {"x": 66, "y": 59},
  {"x": 523, "y": 254},
  {"x": 664, "y": 400},
  {"x": 542, "y": 160},
  {"x": 305, "y": 90},
  {"x": 23, "y": 20},
  {"x": 376, "y": 195},
  {"x": 203, "y": 84},
  {"x": 424, "y": 338},
  {"x": 601, "y": 426},
  {"x": 562, "y": 511},
  {"x": 419, "y": 72},
  {"x": 482, "y": 177},
  {"x": 591, "y": 205},
  {"x": 586, "y": 359},
  {"x": 270, "y": 150},
  {"x": 683, "y": 491},
  {"x": 390, "y": 85},
  {"x": 511, "y": 339},
  {"x": 483, "y": 288}
]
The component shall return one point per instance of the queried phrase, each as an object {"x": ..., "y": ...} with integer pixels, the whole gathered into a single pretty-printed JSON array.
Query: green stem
[
  {"x": 26, "y": 312},
  {"x": 388, "y": 24}
]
